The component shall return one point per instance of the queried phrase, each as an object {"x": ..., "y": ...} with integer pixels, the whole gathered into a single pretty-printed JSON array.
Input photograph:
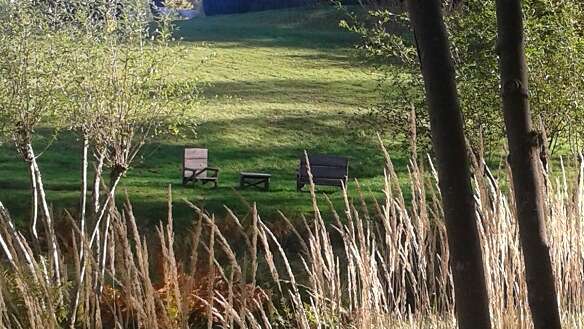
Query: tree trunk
[
  {"x": 82, "y": 211},
  {"x": 116, "y": 176},
  {"x": 34, "y": 190},
  {"x": 524, "y": 144},
  {"x": 97, "y": 183},
  {"x": 472, "y": 302},
  {"x": 40, "y": 196},
  {"x": 83, "y": 200},
  {"x": 49, "y": 223}
]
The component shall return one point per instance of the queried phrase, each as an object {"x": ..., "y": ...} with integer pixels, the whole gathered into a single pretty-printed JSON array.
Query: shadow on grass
[
  {"x": 313, "y": 28},
  {"x": 276, "y": 149}
]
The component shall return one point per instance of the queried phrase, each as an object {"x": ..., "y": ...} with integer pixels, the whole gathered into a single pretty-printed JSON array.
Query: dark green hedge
[{"x": 222, "y": 7}]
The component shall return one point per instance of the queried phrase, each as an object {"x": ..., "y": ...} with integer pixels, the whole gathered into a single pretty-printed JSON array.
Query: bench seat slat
[{"x": 325, "y": 172}]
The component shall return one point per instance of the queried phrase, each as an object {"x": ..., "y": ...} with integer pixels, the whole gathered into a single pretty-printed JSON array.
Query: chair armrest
[{"x": 214, "y": 170}]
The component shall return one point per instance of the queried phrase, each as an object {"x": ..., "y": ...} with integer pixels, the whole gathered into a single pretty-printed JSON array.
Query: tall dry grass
[{"x": 377, "y": 264}]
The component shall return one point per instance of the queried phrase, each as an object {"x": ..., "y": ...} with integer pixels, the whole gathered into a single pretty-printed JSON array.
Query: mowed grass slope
[{"x": 276, "y": 83}]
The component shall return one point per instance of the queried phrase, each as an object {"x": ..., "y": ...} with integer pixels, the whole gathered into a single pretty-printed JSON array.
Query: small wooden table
[{"x": 247, "y": 179}]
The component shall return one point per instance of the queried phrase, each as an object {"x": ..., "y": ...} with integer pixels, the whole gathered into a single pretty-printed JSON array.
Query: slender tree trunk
[
  {"x": 115, "y": 178},
  {"x": 83, "y": 200},
  {"x": 97, "y": 183},
  {"x": 49, "y": 222},
  {"x": 82, "y": 211},
  {"x": 40, "y": 197},
  {"x": 34, "y": 190},
  {"x": 471, "y": 296},
  {"x": 524, "y": 148}
]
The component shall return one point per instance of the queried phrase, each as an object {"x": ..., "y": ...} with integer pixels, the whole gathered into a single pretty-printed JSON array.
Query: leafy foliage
[
  {"x": 31, "y": 60},
  {"x": 127, "y": 98},
  {"x": 97, "y": 68},
  {"x": 555, "y": 38}
]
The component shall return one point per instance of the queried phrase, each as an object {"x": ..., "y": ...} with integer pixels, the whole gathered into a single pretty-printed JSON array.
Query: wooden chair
[
  {"x": 328, "y": 170},
  {"x": 195, "y": 169}
]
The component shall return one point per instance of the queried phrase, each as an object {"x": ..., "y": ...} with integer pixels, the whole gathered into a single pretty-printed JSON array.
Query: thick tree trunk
[
  {"x": 472, "y": 303},
  {"x": 524, "y": 147}
]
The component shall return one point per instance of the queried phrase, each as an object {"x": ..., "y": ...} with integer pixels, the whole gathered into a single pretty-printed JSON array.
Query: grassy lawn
[{"x": 276, "y": 83}]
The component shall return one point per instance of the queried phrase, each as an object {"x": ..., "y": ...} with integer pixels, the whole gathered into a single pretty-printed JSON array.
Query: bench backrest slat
[
  {"x": 325, "y": 172},
  {"x": 325, "y": 166},
  {"x": 195, "y": 158}
]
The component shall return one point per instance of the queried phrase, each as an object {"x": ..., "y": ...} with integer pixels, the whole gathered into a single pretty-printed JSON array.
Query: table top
[{"x": 254, "y": 174}]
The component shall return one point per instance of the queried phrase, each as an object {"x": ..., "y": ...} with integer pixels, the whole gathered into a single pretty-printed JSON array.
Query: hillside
[{"x": 275, "y": 83}]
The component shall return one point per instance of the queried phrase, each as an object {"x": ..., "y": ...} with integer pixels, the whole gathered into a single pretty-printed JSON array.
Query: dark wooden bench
[
  {"x": 247, "y": 179},
  {"x": 195, "y": 169},
  {"x": 328, "y": 170}
]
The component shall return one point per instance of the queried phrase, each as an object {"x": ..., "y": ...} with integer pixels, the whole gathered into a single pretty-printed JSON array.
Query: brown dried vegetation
[{"x": 386, "y": 268}]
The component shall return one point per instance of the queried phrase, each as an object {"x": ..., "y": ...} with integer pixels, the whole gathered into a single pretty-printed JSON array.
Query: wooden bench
[
  {"x": 328, "y": 170},
  {"x": 247, "y": 179},
  {"x": 195, "y": 169}
]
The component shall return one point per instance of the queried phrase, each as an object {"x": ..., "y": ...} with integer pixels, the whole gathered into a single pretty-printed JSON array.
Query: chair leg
[
  {"x": 299, "y": 186},
  {"x": 186, "y": 180}
]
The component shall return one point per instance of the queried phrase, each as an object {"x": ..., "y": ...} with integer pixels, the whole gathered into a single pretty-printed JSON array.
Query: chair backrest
[
  {"x": 195, "y": 158},
  {"x": 325, "y": 166}
]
